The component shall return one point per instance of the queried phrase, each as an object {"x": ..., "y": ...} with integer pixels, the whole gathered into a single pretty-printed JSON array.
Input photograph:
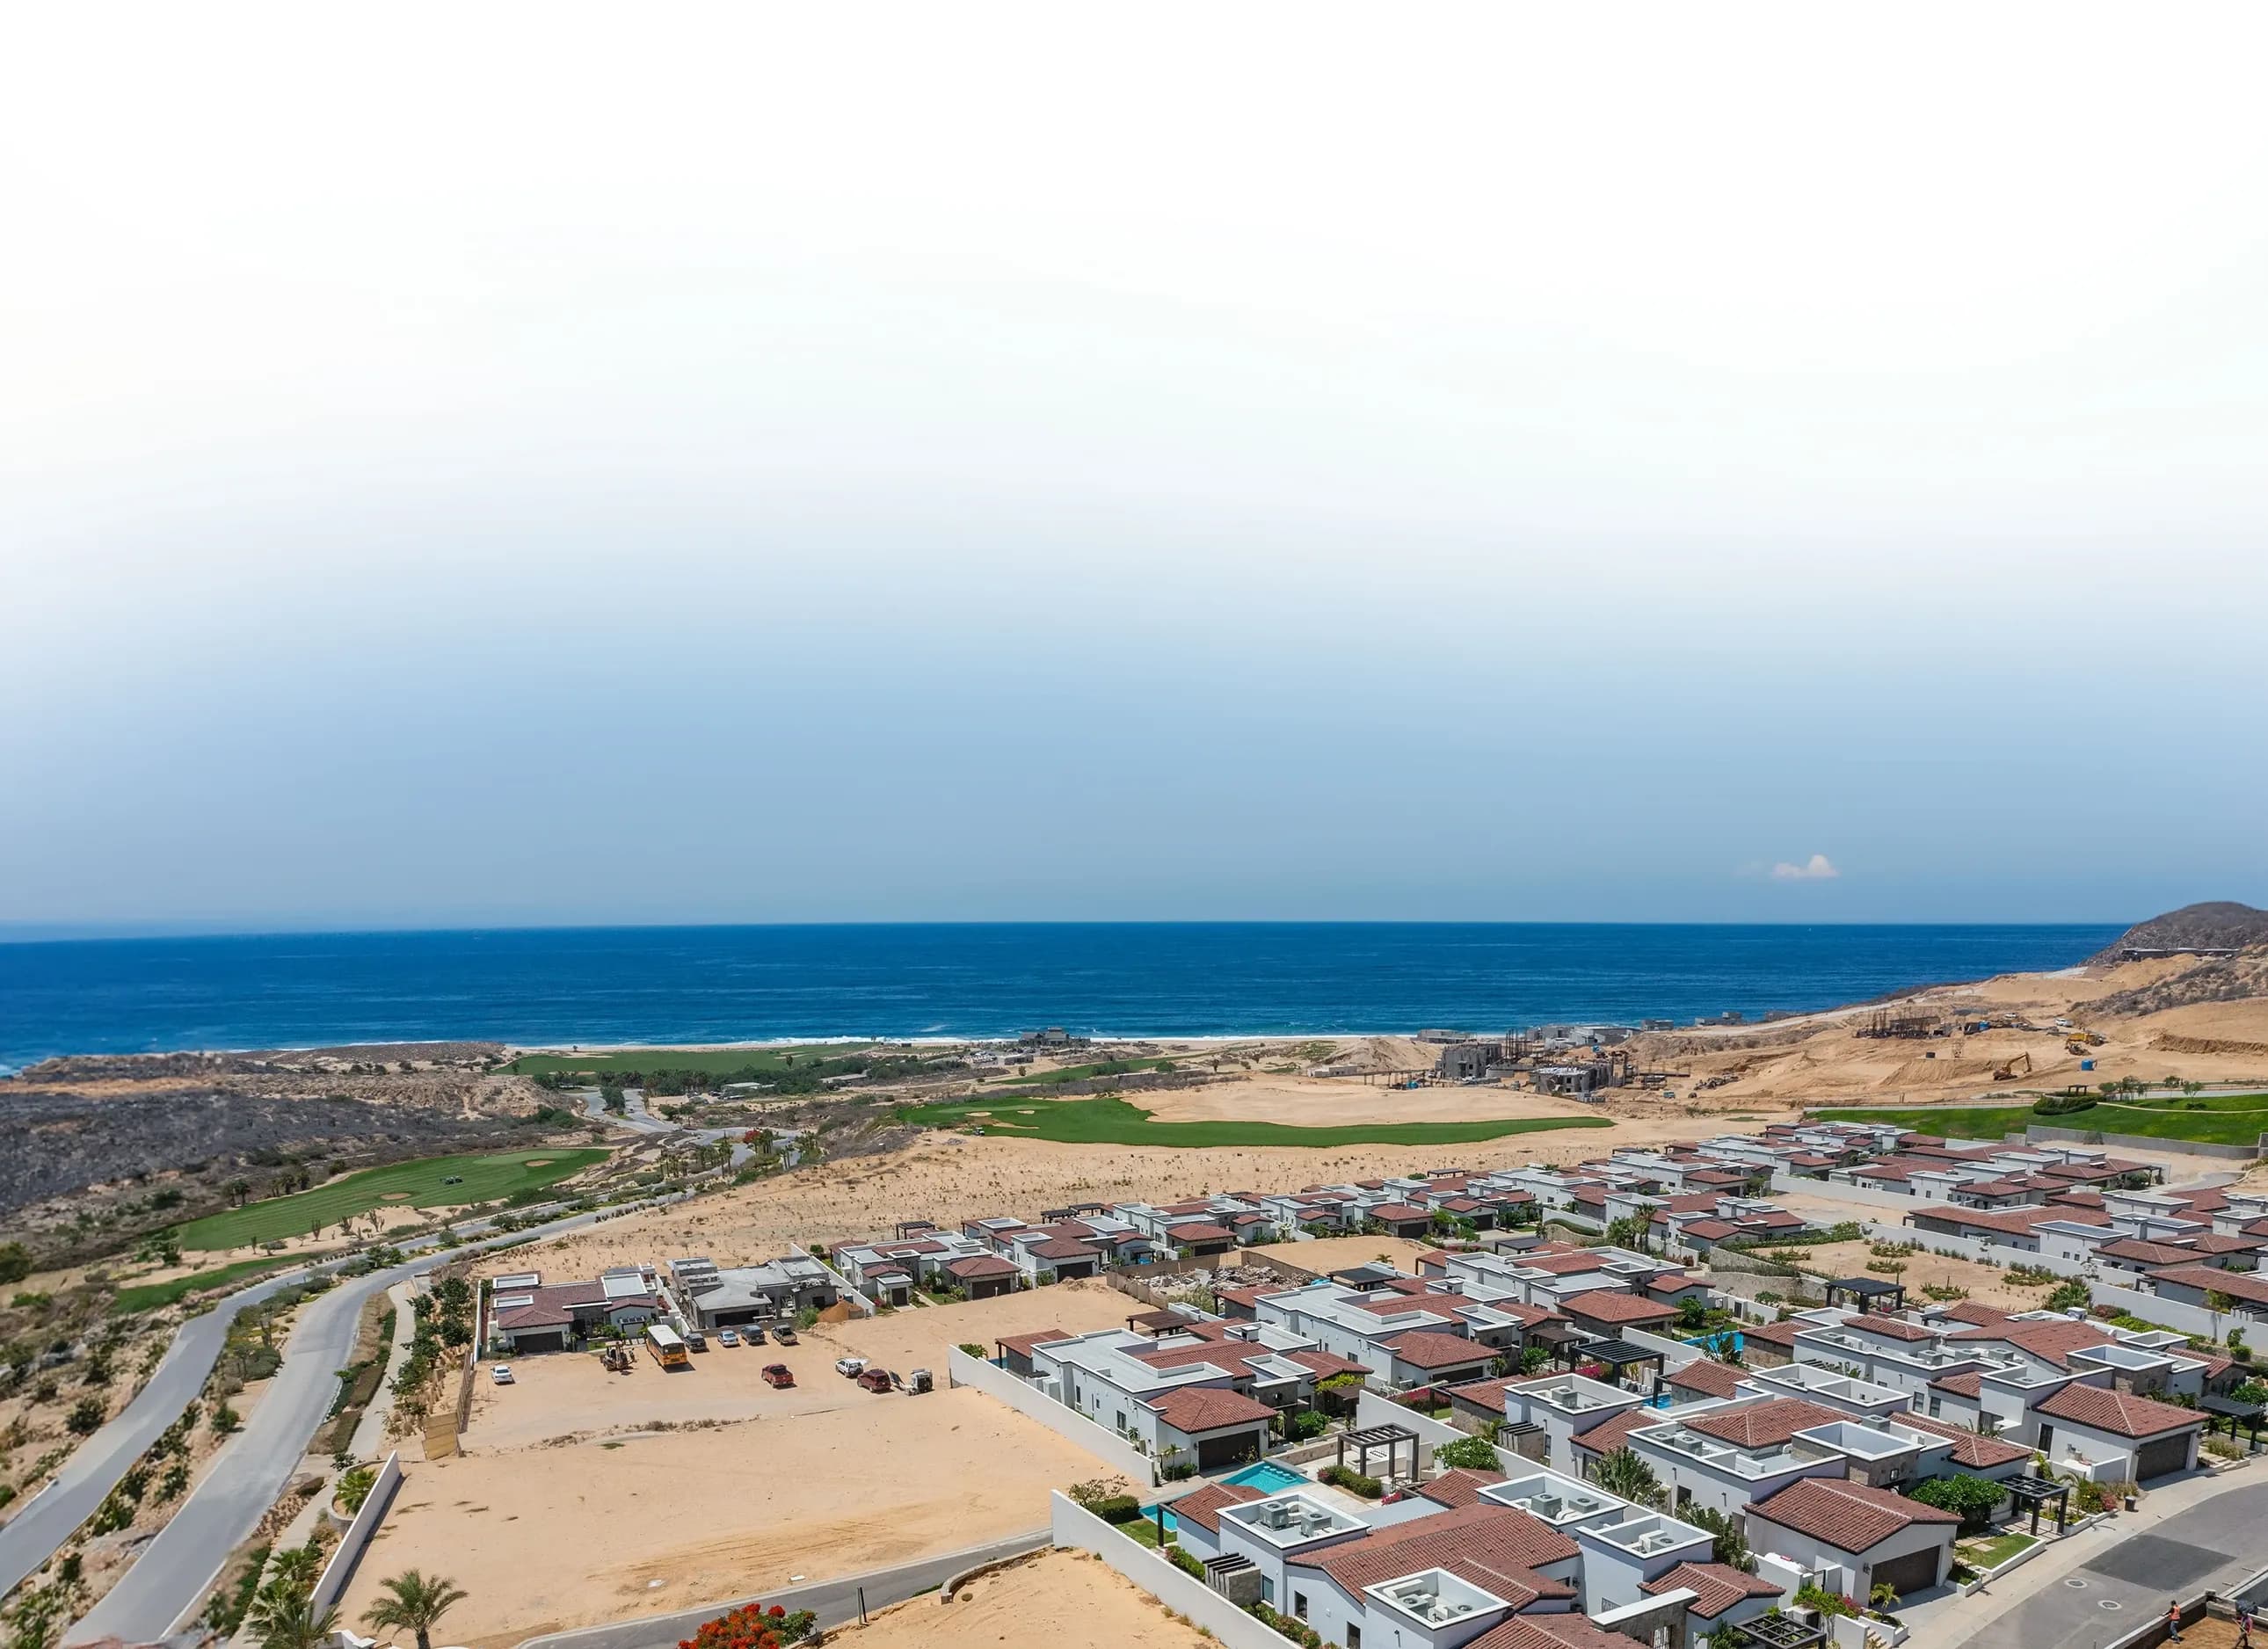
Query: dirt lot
[
  {"x": 568, "y": 1396},
  {"x": 1985, "y": 1286},
  {"x": 670, "y": 1519},
  {"x": 1336, "y": 1254},
  {"x": 1058, "y": 1598}
]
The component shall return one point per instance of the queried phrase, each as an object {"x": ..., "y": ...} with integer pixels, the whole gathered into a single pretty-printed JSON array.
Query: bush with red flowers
[{"x": 752, "y": 1626}]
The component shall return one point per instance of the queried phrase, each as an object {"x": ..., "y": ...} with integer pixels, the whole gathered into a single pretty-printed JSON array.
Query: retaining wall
[
  {"x": 341, "y": 1568},
  {"x": 1028, "y": 1400},
  {"x": 2040, "y": 1133},
  {"x": 1073, "y": 1526},
  {"x": 1857, "y": 1196}
]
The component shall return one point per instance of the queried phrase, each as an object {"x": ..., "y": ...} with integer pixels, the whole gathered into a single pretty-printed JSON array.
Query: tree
[
  {"x": 1973, "y": 1500},
  {"x": 15, "y": 1261},
  {"x": 283, "y": 1616},
  {"x": 1473, "y": 1453},
  {"x": 1727, "y": 1544},
  {"x": 414, "y": 1604},
  {"x": 86, "y": 1416},
  {"x": 1630, "y": 1232},
  {"x": 296, "y": 1566},
  {"x": 1692, "y": 1314},
  {"x": 1624, "y": 1474}
]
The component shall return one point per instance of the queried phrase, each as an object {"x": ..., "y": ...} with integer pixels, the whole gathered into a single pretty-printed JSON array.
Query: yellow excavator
[{"x": 2020, "y": 1066}]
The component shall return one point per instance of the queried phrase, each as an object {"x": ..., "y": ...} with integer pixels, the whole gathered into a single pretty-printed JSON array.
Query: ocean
[{"x": 711, "y": 984}]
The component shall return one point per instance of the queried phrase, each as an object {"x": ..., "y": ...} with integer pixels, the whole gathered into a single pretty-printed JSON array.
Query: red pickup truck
[{"x": 778, "y": 1374}]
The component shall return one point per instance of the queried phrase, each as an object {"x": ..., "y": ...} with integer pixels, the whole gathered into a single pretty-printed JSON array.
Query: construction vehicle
[
  {"x": 919, "y": 1381},
  {"x": 2020, "y": 1066}
]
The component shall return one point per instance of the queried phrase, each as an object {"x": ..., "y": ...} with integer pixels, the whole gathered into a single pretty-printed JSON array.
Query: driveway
[{"x": 2211, "y": 1547}]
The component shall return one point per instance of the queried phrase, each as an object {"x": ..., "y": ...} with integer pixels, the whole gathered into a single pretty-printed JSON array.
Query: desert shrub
[{"x": 1473, "y": 1453}]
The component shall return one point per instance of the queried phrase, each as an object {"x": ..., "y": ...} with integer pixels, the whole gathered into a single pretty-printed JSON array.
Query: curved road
[{"x": 176, "y": 1570}]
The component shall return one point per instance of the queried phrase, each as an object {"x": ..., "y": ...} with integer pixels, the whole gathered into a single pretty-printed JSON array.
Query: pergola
[
  {"x": 2030, "y": 1493},
  {"x": 1388, "y": 1437},
  {"x": 1866, "y": 1294},
  {"x": 1619, "y": 1355},
  {"x": 2250, "y": 1416},
  {"x": 1776, "y": 1632},
  {"x": 1561, "y": 1339}
]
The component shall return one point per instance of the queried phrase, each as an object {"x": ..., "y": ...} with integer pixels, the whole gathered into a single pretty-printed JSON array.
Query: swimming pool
[{"x": 1267, "y": 1476}]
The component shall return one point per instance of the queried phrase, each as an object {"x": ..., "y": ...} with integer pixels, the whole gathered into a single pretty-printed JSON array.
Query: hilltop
[{"x": 2216, "y": 926}]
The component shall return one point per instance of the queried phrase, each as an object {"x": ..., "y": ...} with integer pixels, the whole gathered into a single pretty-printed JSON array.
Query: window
[
  {"x": 1935, "y": 1404},
  {"x": 1354, "y": 1637},
  {"x": 1300, "y": 1604},
  {"x": 1267, "y": 1590},
  {"x": 1684, "y": 1497}
]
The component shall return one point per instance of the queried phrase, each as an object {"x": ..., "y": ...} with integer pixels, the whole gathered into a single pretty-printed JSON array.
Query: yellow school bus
[{"x": 668, "y": 1350}]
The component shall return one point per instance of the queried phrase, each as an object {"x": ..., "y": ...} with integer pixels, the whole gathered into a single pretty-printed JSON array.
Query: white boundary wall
[
  {"x": 1370, "y": 1408},
  {"x": 842, "y": 1282},
  {"x": 1028, "y": 1400},
  {"x": 1073, "y": 1526},
  {"x": 1857, "y": 1196},
  {"x": 341, "y": 1568}
]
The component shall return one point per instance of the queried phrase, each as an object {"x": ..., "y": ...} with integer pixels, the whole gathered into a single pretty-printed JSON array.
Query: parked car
[
  {"x": 850, "y": 1368},
  {"x": 727, "y": 1337},
  {"x": 695, "y": 1341},
  {"x": 875, "y": 1379},
  {"x": 501, "y": 1374},
  {"x": 778, "y": 1374},
  {"x": 784, "y": 1333}
]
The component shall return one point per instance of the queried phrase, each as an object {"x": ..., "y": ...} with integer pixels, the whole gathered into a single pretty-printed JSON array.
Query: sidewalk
[
  {"x": 370, "y": 1436},
  {"x": 1945, "y": 1622}
]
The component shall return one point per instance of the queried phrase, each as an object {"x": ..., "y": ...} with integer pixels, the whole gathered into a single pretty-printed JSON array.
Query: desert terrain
[{"x": 1043, "y": 1602}]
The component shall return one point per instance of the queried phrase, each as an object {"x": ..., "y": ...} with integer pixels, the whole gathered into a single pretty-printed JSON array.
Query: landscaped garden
[{"x": 434, "y": 1183}]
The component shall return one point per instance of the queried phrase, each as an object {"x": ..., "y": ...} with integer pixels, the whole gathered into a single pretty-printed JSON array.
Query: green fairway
[
  {"x": 1952, "y": 1122},
  {"x": 2197, "y": 1102},
  {"x": 482, "y": 1178},
  {"x": 2220, "y": 1125},
  {"x": 1081, "y": 1074},
  {"x": 1107, "y": 1121},
  {"x": 712, "y": 1061},
  {"x": 151, "y": 1296}
]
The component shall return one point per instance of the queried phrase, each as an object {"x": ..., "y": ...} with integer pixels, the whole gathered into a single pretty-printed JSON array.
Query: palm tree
[
  {"x": 1623, "y": 1474},
  {"x": 416, "y": 1604},
  {"x": 295, "y": 1566},
  {"x": 283, "y": 1616}
]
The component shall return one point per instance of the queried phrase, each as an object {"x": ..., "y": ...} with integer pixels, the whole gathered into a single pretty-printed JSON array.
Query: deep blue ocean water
[{"x": 746, "y": 984}]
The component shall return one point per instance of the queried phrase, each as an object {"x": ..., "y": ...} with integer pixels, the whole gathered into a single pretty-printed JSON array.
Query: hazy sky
[{"x": 552, "y": 464}]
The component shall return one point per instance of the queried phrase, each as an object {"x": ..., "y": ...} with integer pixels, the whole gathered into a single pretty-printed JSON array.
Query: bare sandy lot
[
  {"x": 569, "y": 1396},
  {"x": 578, "y": 1533},
  {"x": 1985, "y": 1286},
  {"x": 1333, "y": 1254},
  {"x": 1058, "y": 1598}
]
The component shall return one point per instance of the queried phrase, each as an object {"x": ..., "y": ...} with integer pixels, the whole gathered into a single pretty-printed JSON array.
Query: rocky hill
[{"x": 2220, "y": 925}]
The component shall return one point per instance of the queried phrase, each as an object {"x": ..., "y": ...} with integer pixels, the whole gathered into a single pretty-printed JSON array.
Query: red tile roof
[
  {"x": 1970, "y": 1448},
  {"x": 1200, "y": 1231},
  {"x": 2145, "y": 1253},
  {"x": 1762, "y": 1425},
  {"x": 1208, "y": 1408},
  {"x": 1062, "y": 1248},
  {"x": 1710, "y": 1230},
  {"x": 1605, "y": 1305},
  {"x": 1708, "y": 1375},
  {"x": 1975, "y": 1312},
  {"x": 1969, "y": 1385},
  {"x": 1846, "y": 1516},
  {"x": 1428, "y": 1348},
  {"x": 1781, "y": 1335},
  {"x": 1889, "y": 1328},
  {"x": 1201, "y": 1506},
  {"x": 2236, "y": 1285},
  {"x": 1324, "y": 1365},
  {"x": 1569, "y": 1630},
  {"x": 1717, "y": 1586},
  {"x": 1397, "y": 1213},
  {"x": 1610, "y": 1435},
  {"x": 1492, "y": 1546},
  {"x": 2116, "y": 1412},
  {"x": 981, "y": 1265},
  {"x": 1462, "y": 1486},
  {"x": 1486, "y": 1394},
  {"x": 2050, "y": 1342}
]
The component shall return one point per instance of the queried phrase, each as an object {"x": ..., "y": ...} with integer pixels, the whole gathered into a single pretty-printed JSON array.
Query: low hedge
[
  {"x": 1353, "y": 1481},
  {"x": 1117, "y": 1508}
]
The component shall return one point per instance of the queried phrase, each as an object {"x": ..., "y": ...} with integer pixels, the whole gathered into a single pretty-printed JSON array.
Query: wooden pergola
[{"x": 1388, "y": 1437}]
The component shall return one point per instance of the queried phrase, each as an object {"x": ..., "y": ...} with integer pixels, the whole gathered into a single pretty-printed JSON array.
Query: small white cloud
[{"x": 1818, "y": 868}]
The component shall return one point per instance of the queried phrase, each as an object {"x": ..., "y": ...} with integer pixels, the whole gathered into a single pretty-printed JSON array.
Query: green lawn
[
  {"x": 151, "y": 1296},
  {"x": 1080, "y": 1073},
  {"x": 1992, "y": 1550},
  {"x": 2197, "y": 1102},
  {"x": 2221, "y": 1126},
  {"x": 1959, "y": 1122},
  {"x": 712, "y": 1060},
  {"x": 484, "y": 1178},
  {"x": 1105, "y": 1120}
]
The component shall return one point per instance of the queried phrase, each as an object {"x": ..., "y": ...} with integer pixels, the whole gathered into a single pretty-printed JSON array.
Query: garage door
[
  {"x": 2155, "y": 1460},
  {"x": 1915, "y": 1571}
]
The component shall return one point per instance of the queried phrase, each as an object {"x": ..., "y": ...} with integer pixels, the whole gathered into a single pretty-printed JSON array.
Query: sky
[{"x": 541, "y": 465}]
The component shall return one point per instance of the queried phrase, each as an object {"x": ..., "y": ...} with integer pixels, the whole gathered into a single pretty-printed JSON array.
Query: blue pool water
[{"x": 1267, "y": 1476}]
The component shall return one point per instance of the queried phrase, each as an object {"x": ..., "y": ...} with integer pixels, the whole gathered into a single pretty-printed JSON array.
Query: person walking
[
  {"x": 2243, "y": 1627},
  {"x": 2173, "y": 1619}
]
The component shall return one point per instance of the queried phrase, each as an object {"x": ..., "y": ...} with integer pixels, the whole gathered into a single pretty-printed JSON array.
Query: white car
[
  {"x": 728, "y": 1338},
  {"x": 501, "y": 1374},
  {"x": 849, "y": 1367}
]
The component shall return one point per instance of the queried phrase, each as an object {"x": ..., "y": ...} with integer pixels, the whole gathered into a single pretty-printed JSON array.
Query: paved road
[
  {"x": 634, "y": 1114},
  {"x": 2209, "y": 1548},
  {"x": 175, "y": 1571},
  {"x": 832, "y": 1601}
]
